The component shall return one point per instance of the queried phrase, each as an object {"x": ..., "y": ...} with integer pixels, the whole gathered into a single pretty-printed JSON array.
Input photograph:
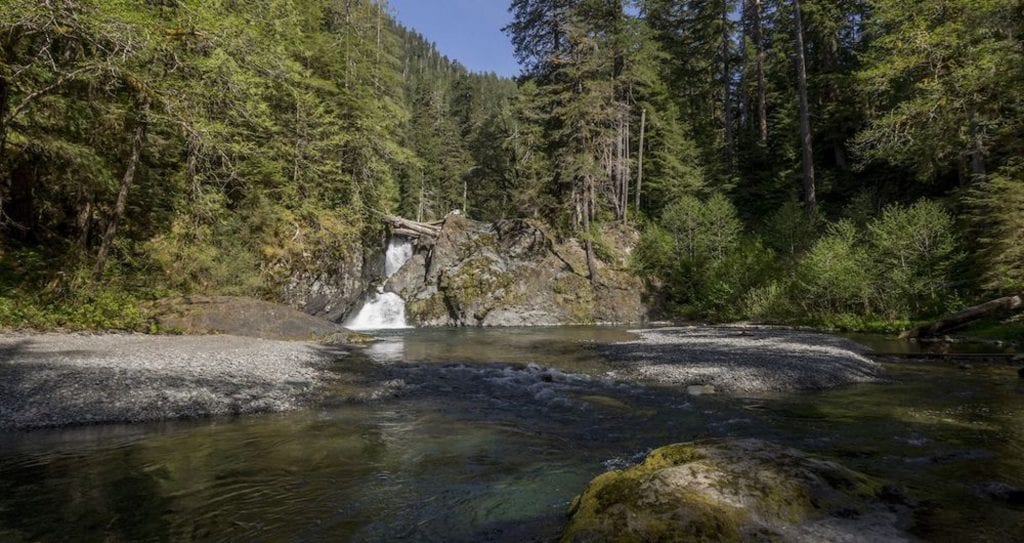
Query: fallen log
[
  {"x": 405, "y": 226},
  {"x": 406, "y": 233},
  {"x": 956, "y": 320}
]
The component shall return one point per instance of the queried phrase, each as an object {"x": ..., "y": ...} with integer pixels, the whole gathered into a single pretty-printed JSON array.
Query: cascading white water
[
  {"x": 386, "y": 310},
  {"x": 399, "y": 252}
]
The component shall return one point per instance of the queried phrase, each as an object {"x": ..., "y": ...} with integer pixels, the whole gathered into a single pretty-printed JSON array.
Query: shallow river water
[{"x": 486, "y": 435}]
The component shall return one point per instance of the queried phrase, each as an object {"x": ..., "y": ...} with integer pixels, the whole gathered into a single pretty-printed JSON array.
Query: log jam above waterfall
[{"x": 413, "y": 229}]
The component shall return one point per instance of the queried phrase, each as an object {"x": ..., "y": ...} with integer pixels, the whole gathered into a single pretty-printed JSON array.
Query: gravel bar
[
  {"x": 49, "y": 380},
  {"x": 742, "y": 359}
]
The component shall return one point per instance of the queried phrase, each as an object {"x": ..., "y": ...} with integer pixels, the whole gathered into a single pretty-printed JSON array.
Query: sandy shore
[
  {"x": 61, "y": 379},
  {"x": 742, "y": 360}
]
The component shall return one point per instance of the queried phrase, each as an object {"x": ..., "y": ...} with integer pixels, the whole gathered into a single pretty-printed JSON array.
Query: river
[{"x": 486, "y": 435}]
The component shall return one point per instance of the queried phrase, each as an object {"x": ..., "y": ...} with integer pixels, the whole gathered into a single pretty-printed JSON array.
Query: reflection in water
[{"x": 489, "y": 437}]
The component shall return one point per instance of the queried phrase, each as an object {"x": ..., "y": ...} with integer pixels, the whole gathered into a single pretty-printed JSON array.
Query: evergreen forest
[{"x": 855, "y": 164}]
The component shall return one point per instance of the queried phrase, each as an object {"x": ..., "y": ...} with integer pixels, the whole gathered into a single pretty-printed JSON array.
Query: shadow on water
[{"x": 486, "y": 435}]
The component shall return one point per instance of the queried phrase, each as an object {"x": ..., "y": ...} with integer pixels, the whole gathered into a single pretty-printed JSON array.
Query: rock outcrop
[
  {"x": 736, "y": 490},
  {"x": 514, "y": 273},
  {"x": 203, "y": 315},
  {"x": 332, "y": 281}
]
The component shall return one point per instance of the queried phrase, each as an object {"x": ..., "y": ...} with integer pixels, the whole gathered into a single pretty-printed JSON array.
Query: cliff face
[{"x": 515, "y": 273}]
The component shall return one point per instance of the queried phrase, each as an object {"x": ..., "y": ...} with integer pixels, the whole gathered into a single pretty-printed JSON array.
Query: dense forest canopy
[{"x": 840, "y": 161}]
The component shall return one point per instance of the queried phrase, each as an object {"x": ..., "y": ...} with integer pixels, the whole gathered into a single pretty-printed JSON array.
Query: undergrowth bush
[{"x": 878, "y": 273}]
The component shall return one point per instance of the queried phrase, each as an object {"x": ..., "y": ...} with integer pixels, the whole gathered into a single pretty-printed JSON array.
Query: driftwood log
[
  {"x": 956, "y": 320},
  {"x": 412, "y": 229}
]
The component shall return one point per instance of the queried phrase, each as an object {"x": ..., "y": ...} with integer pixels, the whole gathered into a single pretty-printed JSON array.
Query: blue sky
[{"x": 468, "y": 31}]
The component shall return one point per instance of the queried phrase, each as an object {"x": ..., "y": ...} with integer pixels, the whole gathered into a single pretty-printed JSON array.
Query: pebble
[
  {"x": 749, "y": 360},
  {"x": 49, "y": 380}
]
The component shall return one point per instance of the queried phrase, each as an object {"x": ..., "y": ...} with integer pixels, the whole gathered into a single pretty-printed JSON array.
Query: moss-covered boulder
[{"x": 735, "y": 490}]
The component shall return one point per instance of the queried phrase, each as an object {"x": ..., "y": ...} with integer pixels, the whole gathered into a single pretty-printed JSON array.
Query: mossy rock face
[
  {"x": 429, "y": 311},
  {"x": 734, "y": 490},
  {"x": 575, "y": 295},
  {"x": 511, "y": 273},
  {"x": 475, "y": 288}
]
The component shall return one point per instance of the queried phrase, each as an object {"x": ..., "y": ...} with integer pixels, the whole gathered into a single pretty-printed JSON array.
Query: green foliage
[
  {"x": 62, "y": 302},
  {"x": 914, "y": 249},
  {"x": 999, "y": 219},
  {"x": 274, "y": 131},
  {"x": 834, "y": 277},
  {"x": 945, "y": 78},
  {"x": 703, "y": 230},
  {"x": 699, "y": 252},
  {"x": 102, "y": 310},
  {"x": 789, "y": 231}
]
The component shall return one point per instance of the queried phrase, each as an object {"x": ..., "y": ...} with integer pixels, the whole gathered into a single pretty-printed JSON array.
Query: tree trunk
[
  {"x": 84, "y": 227},
  {"x": 978, "y": 149},
  {"x": 420, "y": 228},
  {"x": 122, "y": 194},
  {"x": 762, "y": 101},
  {"x": 376, "y": 61},
  {"x": 640, "y": 162},
  {"x": 587, "y": 242},
  {"x": 956, "y": 320},
  {"x": 4, "y": 101},
  {"x": 727, "y": 118},
  {"x": 807, "y": 151},
  {"x": 627, "y": 174}
]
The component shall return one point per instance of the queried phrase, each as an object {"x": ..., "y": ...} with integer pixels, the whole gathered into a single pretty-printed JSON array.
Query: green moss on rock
[
  {"x": 726, "y": 490},
  {"x": 575, "y": 295},
  {"x": 428, "y": 310}
]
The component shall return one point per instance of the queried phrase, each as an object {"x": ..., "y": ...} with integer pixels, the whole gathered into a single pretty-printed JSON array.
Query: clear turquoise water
[{"x": 489, "y": 436}]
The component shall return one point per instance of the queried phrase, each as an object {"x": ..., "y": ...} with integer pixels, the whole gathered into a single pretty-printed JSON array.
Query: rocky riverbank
[
  {"x": 741, "y": 360},
  {"x": 49, "y": 380}
]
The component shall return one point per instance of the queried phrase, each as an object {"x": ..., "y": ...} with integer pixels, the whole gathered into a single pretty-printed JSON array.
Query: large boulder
[
  {"x": 513, "y": 273},
  {"x": 736, "y": 490},
  {"x": 202, "y": 315}
]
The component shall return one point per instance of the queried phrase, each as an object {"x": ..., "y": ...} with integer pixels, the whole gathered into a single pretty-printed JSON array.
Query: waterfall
[
  {"x": 399, "y": 252},
  {"x": 385, "y": 310}
]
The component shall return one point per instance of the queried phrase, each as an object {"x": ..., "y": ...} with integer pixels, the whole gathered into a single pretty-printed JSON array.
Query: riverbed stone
[{"x": 736, "y": 490}]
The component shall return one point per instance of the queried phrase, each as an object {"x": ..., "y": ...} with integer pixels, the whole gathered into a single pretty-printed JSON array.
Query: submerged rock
[
  {"x": 700, "y": 390},
  {"x": 735, "y": 490},
  {"x": 1001, "y": 492},
  {"x": 515, "y": 273}
]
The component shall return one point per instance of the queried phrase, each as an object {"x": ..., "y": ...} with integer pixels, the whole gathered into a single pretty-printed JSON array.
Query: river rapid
[{"x": 487, "y": 435}]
